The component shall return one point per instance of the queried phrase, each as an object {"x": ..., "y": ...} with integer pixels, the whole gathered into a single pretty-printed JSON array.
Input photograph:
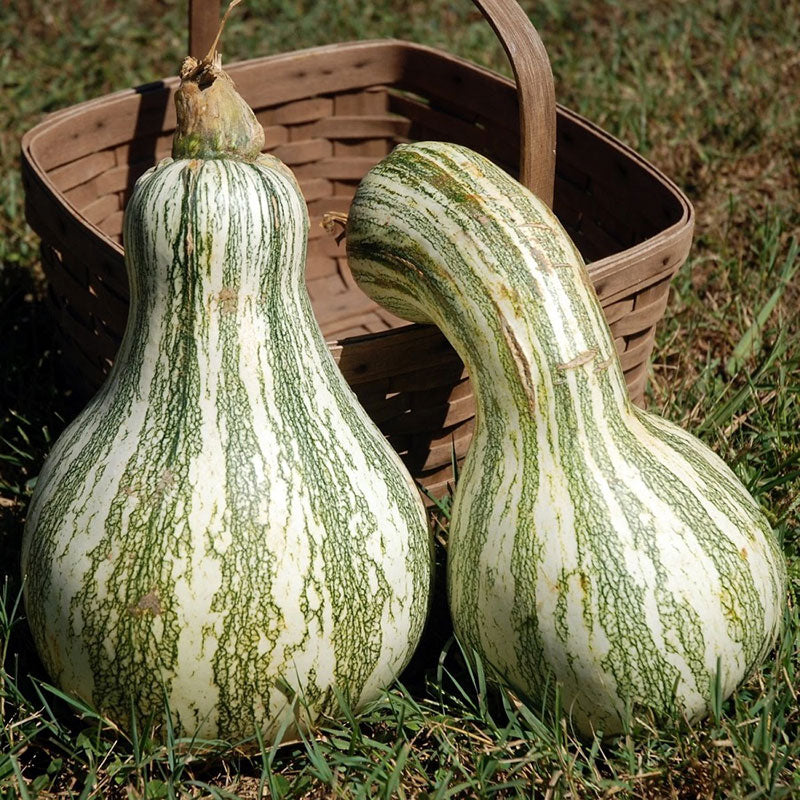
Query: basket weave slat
[
  {"x": 449, "y": 373},
  {"x": 427, "y": 453},
  {"x": 371, "y": 358},
  {"x": 637, "y": 352},
  {"x": 308, "y": 74},
  {"x": 636, "y": 380},
  {"x": 82, "y": 170},
  {"x": 617, "y": 310},
  {"x": 349, "y": 127},
  {"x": 330, "y": 113},
  {"x": 643, "y": 315}
]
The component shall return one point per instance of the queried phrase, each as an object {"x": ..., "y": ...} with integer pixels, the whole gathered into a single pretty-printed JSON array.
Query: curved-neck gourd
[
  {"x": 590, "y": 541},
  {"x": 223, "y": 527}
]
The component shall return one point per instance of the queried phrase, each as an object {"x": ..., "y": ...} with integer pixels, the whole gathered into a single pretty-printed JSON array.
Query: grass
[{"x": 707, "y": 91}]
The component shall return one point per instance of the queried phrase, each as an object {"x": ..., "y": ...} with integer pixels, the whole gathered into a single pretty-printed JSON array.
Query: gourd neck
[
  {"x": 525, "y": 343},
  {"x": 468, "y": 249},
  {"x": 216, "y": 248}
]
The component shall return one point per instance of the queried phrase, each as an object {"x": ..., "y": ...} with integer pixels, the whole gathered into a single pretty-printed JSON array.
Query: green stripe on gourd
[
  {"x": 589, "y": 540},
  {"x": 224, "y": 525}
]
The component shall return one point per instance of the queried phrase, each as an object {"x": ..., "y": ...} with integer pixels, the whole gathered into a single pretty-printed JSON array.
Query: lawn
[{"x": 706, "y": 90}]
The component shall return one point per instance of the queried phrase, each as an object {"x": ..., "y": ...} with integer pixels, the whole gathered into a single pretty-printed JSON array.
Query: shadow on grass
[
  {"x": 35, "y": 403},
  {"x": 35, "y": 406}
]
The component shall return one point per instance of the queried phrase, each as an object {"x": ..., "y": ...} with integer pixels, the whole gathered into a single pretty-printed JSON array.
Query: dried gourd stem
[
  {"x": 207, "y": 69},
  {"x": 335, "y": 223},
  {"x": 212, "y": 52}
]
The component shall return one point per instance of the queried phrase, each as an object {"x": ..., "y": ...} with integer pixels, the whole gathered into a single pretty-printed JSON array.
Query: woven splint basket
[{"x": 331, "y": 113}]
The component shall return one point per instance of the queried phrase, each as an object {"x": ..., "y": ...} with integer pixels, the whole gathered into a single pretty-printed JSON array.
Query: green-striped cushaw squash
[
  {"x": 223, "y": 527},
  {"x": 590, "y": 542}
]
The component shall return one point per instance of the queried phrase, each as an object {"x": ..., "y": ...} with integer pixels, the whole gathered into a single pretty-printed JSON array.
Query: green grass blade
[
  {"x": 750, "y": 343},
  {"x": 22, "y": 786}
]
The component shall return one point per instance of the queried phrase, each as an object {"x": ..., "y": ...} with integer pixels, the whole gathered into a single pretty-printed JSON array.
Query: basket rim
[{"x": 677, "y": 235}]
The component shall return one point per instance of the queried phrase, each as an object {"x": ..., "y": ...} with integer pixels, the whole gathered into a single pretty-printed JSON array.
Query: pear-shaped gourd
[
  {"x": 590, "y": 541},
  {"x": 223, "y": 526}
]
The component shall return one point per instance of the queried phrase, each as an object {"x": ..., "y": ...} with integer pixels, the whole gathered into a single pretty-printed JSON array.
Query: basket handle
[{"x": 529, "y": 62}]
